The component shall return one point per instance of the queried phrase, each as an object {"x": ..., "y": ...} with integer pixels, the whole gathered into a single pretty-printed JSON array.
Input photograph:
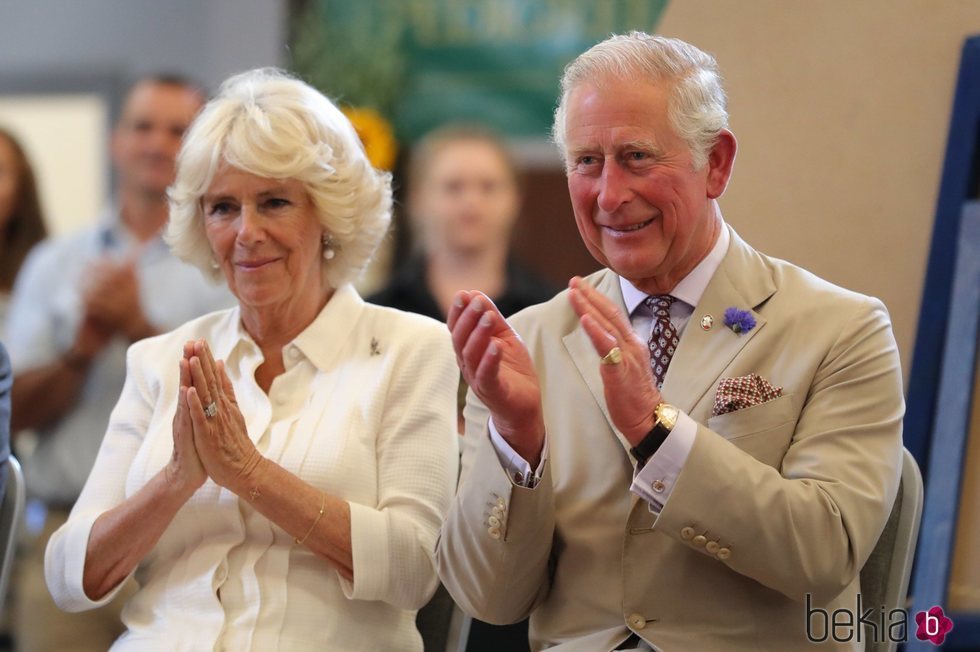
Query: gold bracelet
[{"x": 323, "y": 503}]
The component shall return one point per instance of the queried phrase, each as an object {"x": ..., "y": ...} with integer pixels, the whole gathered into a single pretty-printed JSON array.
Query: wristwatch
[{"x": 664, "y": 419}]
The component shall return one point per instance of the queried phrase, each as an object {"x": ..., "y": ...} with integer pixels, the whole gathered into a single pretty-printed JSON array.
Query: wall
[
  {"x": 208, "y": 39},
  {"x": 64, "y": 137}
]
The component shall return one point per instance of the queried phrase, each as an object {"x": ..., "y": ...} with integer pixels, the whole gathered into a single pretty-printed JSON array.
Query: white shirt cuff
[
  {"x": 518, "y": 469},
  {"x": 654, "y": 482}
]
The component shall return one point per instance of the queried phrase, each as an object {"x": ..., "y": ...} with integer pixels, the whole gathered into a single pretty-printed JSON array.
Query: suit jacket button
[
  {"x": 501, "y": 504},
  {"x": 637, "y": 621},
  {"x": 497, "y": 511},
  {"x": 699, "y": 540},
  {"x": 724, "y": 553},
  {"x": 494, "y": 521},
  {"x": 658, "y": 486},
  {"x": 712, "y": 547},
  {"x": 687, "y": 533},
  {"x": 494, "y": 532}
]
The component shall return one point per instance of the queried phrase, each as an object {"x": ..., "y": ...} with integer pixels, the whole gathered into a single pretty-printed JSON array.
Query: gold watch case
[{"x": 666, "y": 415}]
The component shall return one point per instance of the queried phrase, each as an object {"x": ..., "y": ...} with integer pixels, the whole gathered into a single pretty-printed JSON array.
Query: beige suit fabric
[{"x": 774, "y": 502}]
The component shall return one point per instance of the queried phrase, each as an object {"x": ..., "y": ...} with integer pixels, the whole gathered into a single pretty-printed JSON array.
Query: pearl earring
[{"x": 329, "y": 250}]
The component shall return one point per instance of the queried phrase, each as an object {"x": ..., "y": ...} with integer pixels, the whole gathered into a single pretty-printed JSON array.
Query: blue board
[{"x": 950, "y": 434}]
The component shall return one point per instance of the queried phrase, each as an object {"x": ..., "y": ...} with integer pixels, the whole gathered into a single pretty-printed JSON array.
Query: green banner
[{"x": 423, "y": 63}]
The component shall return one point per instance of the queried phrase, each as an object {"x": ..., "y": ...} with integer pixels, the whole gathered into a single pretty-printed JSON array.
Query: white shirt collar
[
  {"x": 691, "y": 287},
  {"x": 319, "y": 342}
]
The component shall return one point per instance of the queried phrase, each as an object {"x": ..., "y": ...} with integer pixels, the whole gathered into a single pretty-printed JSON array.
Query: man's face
[
  {"x": 147, "y": 138},
  {"x": 640, "y": 206}
]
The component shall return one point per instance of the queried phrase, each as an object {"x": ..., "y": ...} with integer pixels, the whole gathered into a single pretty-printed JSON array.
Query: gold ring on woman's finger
[{"x": 615, "y": 356}]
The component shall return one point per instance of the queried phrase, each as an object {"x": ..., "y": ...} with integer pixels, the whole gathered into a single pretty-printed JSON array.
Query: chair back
[
  {"x": 11, "y": 517},
  {"x": 885, "y": 576}
]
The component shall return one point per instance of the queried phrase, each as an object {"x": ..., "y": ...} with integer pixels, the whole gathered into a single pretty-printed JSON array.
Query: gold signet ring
[{"x": 615, "y": 356}]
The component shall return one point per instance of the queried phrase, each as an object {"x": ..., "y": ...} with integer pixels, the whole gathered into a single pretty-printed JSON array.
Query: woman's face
[
  {"x": 9, "y": 180},
  {"x": 266, "y": 238},
  {"x": 467, "y": 199}
]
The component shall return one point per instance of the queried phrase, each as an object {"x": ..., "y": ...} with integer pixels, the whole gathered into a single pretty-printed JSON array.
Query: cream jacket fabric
[
  {"x": 365, "y": 411},
  {"x": 774, "y": 502}
]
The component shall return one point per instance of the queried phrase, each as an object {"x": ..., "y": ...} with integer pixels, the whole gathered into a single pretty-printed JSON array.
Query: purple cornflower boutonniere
[{"x": 740, "y": 321}]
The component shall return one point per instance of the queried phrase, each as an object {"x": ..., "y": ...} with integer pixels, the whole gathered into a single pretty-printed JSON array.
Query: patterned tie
[{"x": 663, "y": 337}]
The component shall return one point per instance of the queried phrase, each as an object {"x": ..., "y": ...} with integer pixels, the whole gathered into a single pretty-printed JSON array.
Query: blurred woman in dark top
[{"x": 463, "y": 201}]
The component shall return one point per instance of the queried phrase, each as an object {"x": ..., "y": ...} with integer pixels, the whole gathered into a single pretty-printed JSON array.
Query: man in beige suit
[{"x": 695, "y": 448}]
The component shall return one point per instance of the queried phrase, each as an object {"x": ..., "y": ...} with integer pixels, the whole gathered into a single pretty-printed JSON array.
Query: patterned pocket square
[{"x": 743, "y": 392}]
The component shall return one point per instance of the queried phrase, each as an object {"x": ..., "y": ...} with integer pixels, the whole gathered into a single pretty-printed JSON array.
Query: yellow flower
[{"x": 376, "y": 135}]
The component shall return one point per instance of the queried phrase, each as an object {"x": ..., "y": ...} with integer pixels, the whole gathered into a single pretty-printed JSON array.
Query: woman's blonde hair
[{"x": 270, "y": 124}]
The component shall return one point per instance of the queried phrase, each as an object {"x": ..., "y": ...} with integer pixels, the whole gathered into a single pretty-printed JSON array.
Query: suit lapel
[
  {"x": 583, "y": 354},
  {"x": 742, "y": 280}
]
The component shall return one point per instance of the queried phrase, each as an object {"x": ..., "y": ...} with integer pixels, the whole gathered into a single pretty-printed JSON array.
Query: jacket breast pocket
[{"x": 763, "y": 431}]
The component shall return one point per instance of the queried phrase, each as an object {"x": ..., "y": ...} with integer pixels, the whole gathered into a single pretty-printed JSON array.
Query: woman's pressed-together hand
[{"x": 226, "y": 453}]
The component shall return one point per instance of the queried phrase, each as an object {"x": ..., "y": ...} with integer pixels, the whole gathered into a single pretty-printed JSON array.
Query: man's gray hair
[{"x": 697, "y": 105}]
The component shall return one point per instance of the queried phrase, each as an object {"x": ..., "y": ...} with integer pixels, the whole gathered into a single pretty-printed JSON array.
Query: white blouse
[{"x": 366, "y": 411}]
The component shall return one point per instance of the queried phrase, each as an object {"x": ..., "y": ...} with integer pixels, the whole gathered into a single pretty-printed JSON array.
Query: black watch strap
[{"x": 650, "y": 444}]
